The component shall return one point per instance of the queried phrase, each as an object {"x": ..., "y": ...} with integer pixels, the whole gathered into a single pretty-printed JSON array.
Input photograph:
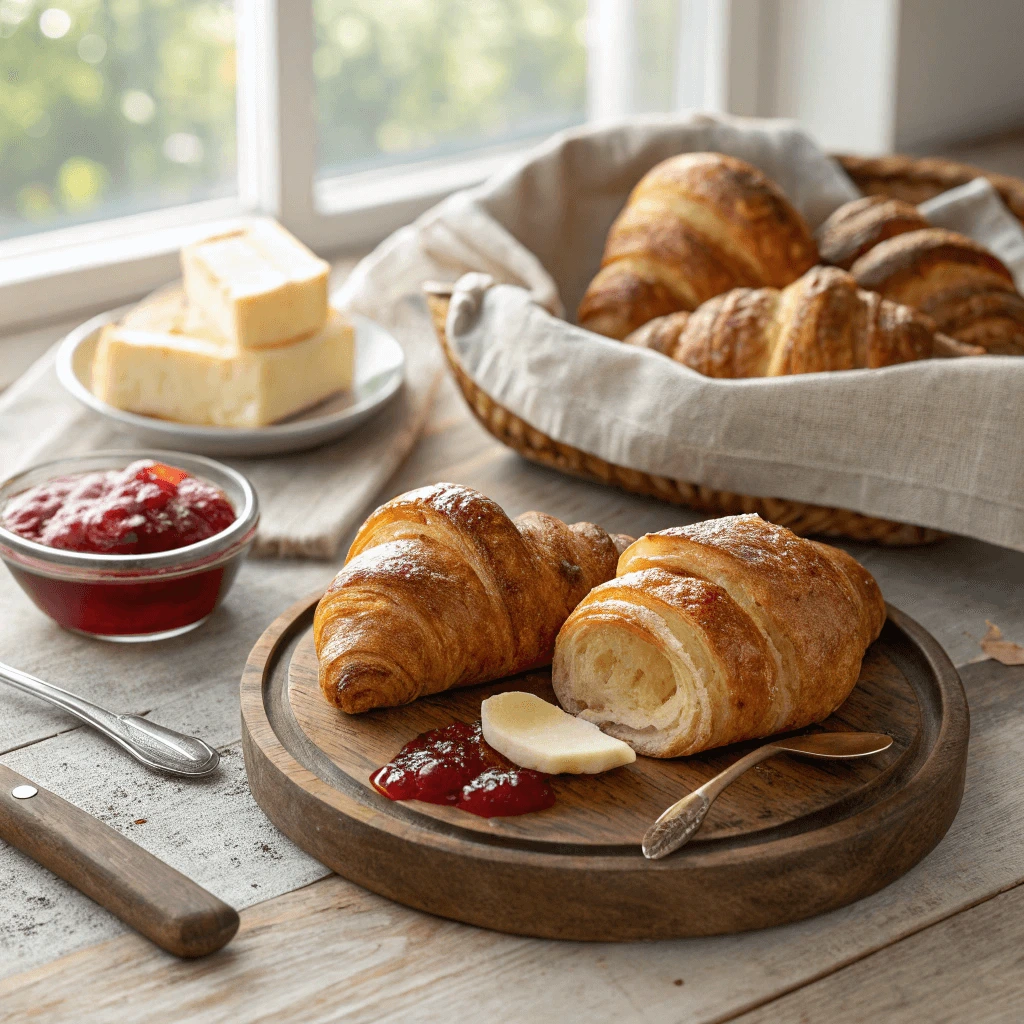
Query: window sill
[
  {"x": 58, "y": 274},
  {"x": 359, "y": 210},
  {"x": 92, "y": 267}
]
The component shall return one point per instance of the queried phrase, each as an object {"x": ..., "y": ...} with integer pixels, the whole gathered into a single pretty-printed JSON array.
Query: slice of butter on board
[
  {"x": 258, "y": 286},
  {"x": 532, "y": 733}
]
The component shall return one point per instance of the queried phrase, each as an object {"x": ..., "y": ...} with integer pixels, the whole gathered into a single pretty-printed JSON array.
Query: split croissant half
[
  {"x": 441, "y": 589},
  {"x": 711, "y": 634},
  {"x": 891, "y": 249},
  {"x": 695, "y": 226},
  {"x": 822, "y": 321}
]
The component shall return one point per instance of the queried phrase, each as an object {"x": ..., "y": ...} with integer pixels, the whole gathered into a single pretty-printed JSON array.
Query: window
[
  {"x": 112, "y": 107},
  {"x": 399, "y": 81},
  {"x": 128, "y": 127}
]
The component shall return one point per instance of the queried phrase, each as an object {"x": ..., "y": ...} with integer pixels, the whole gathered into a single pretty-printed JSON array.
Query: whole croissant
[
  {"x": 711, "y": 634},
  {"x": 441, "y": 589},
  {"x": 823, "y": 321},
  {"x": 890, "y": 248},
  {"x": 695, "y": 226}
]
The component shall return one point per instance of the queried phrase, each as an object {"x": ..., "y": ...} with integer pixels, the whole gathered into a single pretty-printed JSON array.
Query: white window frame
[{"x": 54, "y": 274}]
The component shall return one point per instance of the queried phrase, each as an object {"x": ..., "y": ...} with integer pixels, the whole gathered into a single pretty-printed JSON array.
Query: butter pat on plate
[
  {"x": 172, "y": 366},
  {"x": 258, "y": 286},
  {"x": 532, "y": 733}
]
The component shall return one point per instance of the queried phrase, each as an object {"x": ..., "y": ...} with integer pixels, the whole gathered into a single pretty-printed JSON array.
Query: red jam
[
  {"x": 146, "y": 508},
  {"x": 455, "y": 765},
  {"x": 129, "y": 609}
]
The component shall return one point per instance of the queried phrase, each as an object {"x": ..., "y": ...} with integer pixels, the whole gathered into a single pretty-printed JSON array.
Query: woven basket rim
[{"x": 934, "y": 171}]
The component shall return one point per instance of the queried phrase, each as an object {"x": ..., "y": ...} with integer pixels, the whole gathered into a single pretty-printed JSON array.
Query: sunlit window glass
[
  {"x": 405, "y": 80},
  {"x": 109, "y": 107}
]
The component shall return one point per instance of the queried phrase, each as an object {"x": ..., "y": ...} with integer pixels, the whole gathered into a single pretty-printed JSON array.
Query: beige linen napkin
[
  {"x": 975, "y": 209},
  {"x": 310, "y": 500},
  {"x": 933, "y": 443}
]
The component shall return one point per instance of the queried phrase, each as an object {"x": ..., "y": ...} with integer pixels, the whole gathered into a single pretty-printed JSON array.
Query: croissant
[
  {"x": 441, "y": 589},
  {"x": 890, "y": 248},
  {"x": 695, "y": 226},
  {"x": 716, "y": 633},
  {"x": 823, "y": 321},
  {"x": 964, "y": 288},
  {"x": 858, "y": 226}
]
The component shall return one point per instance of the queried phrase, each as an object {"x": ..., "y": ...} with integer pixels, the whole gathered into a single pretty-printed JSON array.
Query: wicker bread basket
[{"x": 901, "y": 177}]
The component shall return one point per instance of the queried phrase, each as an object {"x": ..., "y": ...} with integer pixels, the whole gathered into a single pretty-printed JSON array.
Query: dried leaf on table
[{"x": 995, "y": 647}]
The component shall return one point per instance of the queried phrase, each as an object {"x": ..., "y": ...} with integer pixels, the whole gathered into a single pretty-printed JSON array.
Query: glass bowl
[{"x": 130, "y": 598}]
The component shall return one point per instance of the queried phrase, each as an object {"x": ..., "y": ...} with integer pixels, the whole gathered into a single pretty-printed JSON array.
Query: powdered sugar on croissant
[
  {"x": 716, "y": 633},
  {"x": 441, "y": 589}
]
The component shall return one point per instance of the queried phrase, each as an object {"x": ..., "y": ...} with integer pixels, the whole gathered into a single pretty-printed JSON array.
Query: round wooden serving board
[{"x": 790, "y": 839}]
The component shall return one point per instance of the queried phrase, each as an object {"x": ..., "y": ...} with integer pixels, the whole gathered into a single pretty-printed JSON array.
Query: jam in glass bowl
[{"x": 127, "y": 545}]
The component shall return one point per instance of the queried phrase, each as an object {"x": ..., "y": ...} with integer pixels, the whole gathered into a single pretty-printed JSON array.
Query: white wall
[
  {"x": 877, "y": 76},
  {"x": 832, "y": 67},
  {"x": 960, "y": 73}
]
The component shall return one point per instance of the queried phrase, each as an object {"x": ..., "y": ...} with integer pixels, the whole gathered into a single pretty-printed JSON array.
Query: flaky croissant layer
[
  {"x": 890, "y": 248},
  {"x": 694, "y": 226},
  {"x": 441, "y": 589},
  {"x": 822, "y": 321},
  {"x": 711, "y": 634}
]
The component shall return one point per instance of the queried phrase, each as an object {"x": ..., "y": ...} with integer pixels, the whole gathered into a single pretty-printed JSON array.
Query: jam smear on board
[
  {"x": 145, "y": 508},
  {"x": 455, "y": 765}
]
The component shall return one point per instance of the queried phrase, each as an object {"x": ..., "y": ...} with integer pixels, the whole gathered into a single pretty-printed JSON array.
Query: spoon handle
[
  {"x": 150, "y": 896},
  {"x": 154, "y": 745},
  {"x": 714, "y": 786},
  {"x": 680, "y": 822}
]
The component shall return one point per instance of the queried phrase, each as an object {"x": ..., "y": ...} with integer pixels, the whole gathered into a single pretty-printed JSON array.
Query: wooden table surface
[{"x": 944, "y": 943}]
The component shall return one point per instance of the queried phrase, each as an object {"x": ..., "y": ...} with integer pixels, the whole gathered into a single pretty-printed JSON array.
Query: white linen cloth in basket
[{"x": 938, "y": 443}]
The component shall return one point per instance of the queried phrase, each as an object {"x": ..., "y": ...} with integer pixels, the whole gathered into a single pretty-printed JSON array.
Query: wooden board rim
[{"x": 296, "y": 798}]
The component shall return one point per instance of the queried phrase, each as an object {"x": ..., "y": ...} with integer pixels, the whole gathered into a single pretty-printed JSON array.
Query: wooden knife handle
[{"x": 143, "y": 891}]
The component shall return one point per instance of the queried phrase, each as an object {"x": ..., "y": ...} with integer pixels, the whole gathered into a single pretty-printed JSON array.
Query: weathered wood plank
[
  {"x": 970, "y": 967},
  {"x": 211, "y": 830},
  {"x": 334, "y": 952}
]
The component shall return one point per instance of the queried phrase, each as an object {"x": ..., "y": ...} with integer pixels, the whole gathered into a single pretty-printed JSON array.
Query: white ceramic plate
[{"x": 379, "y": 367}]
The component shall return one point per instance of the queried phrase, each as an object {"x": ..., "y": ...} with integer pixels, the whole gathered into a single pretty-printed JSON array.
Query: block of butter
[
  {"x": 164, "y": 361},
  {"x": 258, "y": 286}
]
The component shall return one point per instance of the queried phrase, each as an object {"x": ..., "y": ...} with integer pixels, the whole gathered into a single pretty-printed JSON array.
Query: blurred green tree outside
[
  {"x": 110, "y": 107},
  {"x": 119, "y": 106},
  {"x": 401, "y": 80}
]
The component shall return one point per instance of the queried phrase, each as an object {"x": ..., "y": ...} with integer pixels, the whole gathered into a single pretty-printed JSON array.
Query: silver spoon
[
  {"x": 677, "y": 826},
  {"x": 152, "y": 744}
]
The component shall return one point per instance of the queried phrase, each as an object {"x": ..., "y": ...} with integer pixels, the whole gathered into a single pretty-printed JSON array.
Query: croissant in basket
[
  {"x": 891, "y": 249},
  {"x": 711, "y": 634},
  {"x": 855, "y": 228},
  {"x": 823, "y": 321},
  {"x": 441, "y": 589},
  {"x": 695, "y": 226}
]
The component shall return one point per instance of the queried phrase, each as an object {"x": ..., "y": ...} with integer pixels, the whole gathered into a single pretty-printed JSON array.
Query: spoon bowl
[{"x": 835, "y": 744}]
